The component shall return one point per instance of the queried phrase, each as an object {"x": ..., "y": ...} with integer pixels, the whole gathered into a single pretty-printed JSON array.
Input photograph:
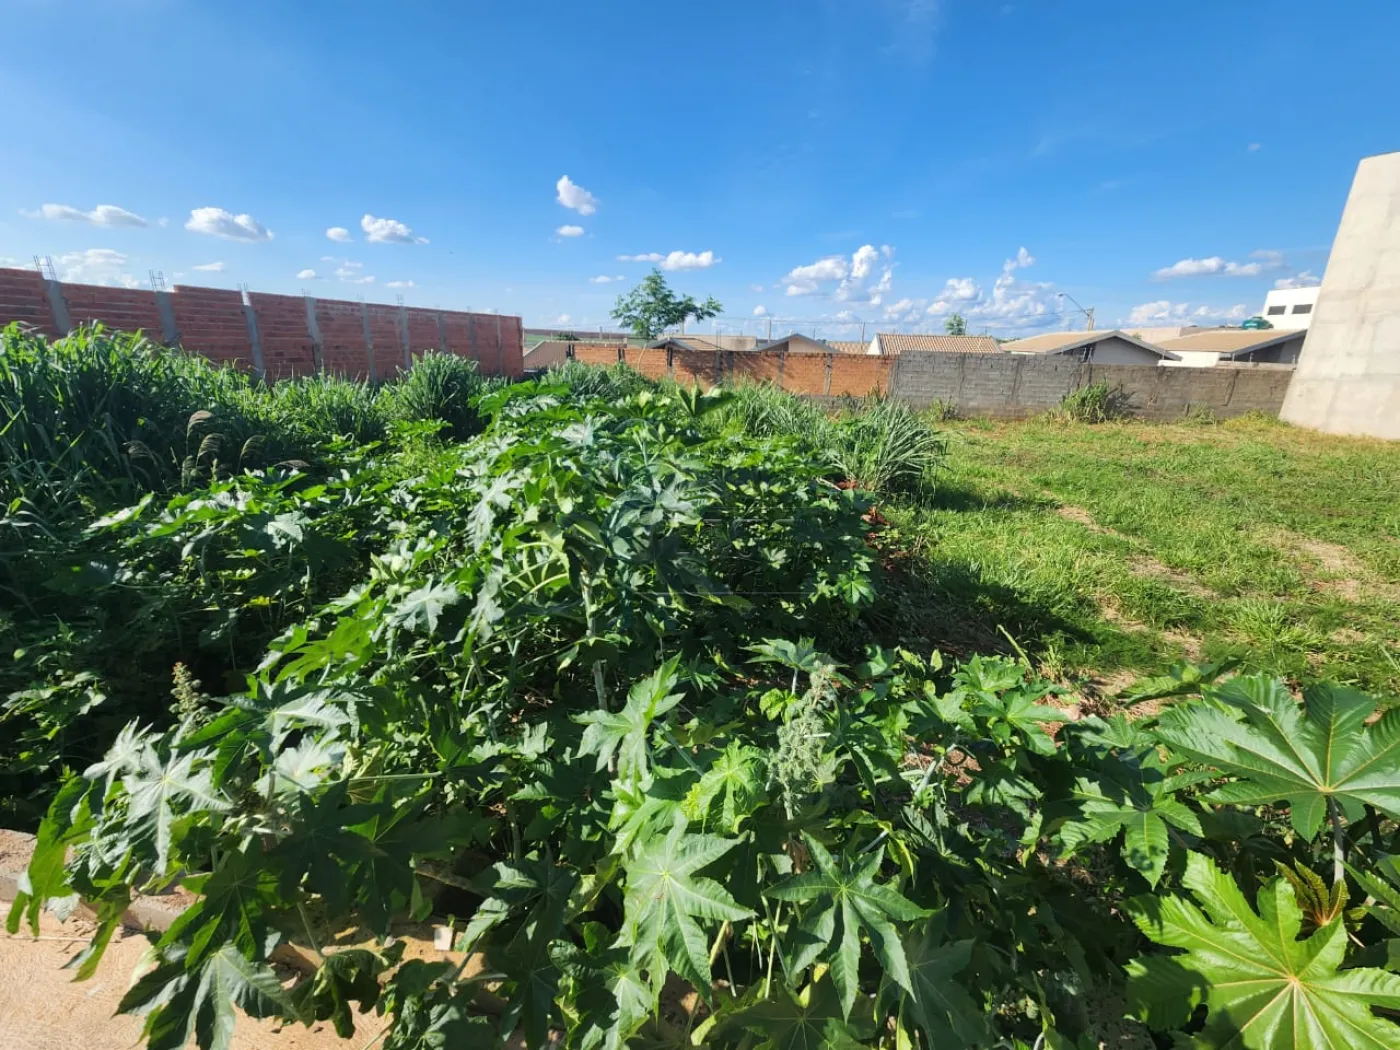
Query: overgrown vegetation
[
  {"x": 1094, "y": 403},
  {"x": 613, "y": 681}
]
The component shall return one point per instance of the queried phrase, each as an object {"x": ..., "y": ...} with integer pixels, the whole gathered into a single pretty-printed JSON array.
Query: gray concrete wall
[
  {"x": 1020, "y": 385},
  {"x": 1348, "y": 377}
]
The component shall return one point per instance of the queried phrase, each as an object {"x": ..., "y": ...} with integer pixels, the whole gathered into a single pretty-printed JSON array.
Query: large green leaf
[
  {"x": 938, "y": 1004},
  {"x": 162, "y": 786},
  {"x": 666, "y": 902},
  {"x": 813, "y": 1019},
  {"x": 1263, "y": 987},
  {"x": 203, "y": 1003},
  {"x": 1307, "y": 755},
  {"x": 843, "y": 899},
  {"x": 624, "y": 733}
]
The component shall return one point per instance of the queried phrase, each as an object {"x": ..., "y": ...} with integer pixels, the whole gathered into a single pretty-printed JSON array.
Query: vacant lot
[{"x": 1106, "y": 551}]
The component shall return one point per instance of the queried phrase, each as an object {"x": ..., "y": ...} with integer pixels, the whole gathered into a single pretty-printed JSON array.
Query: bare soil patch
[{"x": 1330, "y": 568}]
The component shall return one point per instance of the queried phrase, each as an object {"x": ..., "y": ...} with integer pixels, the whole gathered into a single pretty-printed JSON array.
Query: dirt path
[{"x": 41, "y": 1008}]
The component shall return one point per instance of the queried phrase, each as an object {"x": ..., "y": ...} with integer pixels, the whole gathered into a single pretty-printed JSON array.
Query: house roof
[
  {"x": 1064, "y": 342},
  {"x": 1232, "y": 342},
  {"x": 899, "y": 342},
  {"x": 808, "y": 344},
  {"x": 848, "y": 346},
  {"x": 690, "y": 342}
]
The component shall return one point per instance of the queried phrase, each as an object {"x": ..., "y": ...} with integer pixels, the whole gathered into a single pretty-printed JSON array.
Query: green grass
[{"x": 1108, "y": 550}]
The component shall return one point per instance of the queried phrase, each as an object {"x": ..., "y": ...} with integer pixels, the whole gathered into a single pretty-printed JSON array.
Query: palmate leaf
[
  {"x": 203, "y": 1003},
  {"x": 938, "y": 1004},
  {"x": 812, "y": 1019},
  {"x": 624, "y": 733},
  {"x": 1138, "y": 801},
  {"x": 421, "y": 609},
  {"x": 1306, "y": 755},
  {"x": 735, "y": 781},
  {"x": 161, "y": 785},
  {"x": 666, "y": 902},
  {"x": 1264, "y": 989},
  {"x": 843, "y": 899}
]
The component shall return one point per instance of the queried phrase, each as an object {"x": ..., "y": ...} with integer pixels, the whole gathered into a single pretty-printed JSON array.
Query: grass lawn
[{"x": 1109, "y": 551}]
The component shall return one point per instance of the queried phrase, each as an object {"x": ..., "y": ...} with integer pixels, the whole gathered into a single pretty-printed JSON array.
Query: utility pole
[
  {"x": 1088, "y": 314},
  {"x": 769, "y": 337}
]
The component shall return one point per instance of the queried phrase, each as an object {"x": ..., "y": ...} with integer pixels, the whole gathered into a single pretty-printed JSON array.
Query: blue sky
[{"x": 819, "y": 162}]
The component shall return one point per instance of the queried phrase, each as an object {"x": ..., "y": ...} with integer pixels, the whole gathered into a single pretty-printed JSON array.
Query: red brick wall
[
  {"x": 388, "y": 342},
  {"x": 859, "y": 376},
  {"x": 695, "y": 366},
  {"x": 121, "y": 309},
  {"x": 753, "y": 368},
  {"x": 423, "y": 336},
  {"x": 593, "y": 354},
  {"x": 649, "y": 362},
  {"x": 343, "y": 348},
  {"x": 211, "y": 322},
  {"x": 23, "y": 299},
  {"x": 805, "y": 373},
  {"x": 287, "y": 349}
]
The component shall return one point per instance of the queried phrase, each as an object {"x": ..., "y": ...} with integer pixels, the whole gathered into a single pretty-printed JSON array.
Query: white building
[{"x": 1290, "y": 309}]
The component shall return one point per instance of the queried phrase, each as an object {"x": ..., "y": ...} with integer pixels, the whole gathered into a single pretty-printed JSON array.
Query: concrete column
[
  {"x": 1348, "y": 375},
  {"x": 369, "y": 339},
  {"x": 500, "y": 349},
  {"x": 403, "y": 336},
  {"x": 169, "y": 332},
  {"x": 313, "y": 329},
  {"x": 254, "y": 338},
  {"x": 58, "y": 306}
]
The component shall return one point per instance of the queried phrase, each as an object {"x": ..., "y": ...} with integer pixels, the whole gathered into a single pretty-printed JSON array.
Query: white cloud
[
  {"x": 852, "y": 277},
  {"x": 1254, "y": 147},
  {"x": 760, "y": 311},
  {"x": 563, "y": 319},
  {"x": 956, "y": 291},
  {"x": 755, "y": 287},
  {"x": 676, "y": 260},
  {"x": 1304, "y": 279},
  {"x": 349, "y": 273},
  {"x": 306, "y": 275},
  {"x": 603, "y": 278},
  {"x": 216, "y": 222},
  {"x": 1022, "y": 260},
  {"x": 339, "y": 234},
  {"x": 388, "y": 231},
  {"x": 1166, "y": 312},
  {"x": 1214, "y": 265},
  {"x": 901, "y": 308},
  {"x": 96, "y": 266},
  {"x": 102, "y": 215},
  {"x": 570, "y": 231},
  {"x": 575, "y": 197},
  {"x": 213, "y": 267},
  {"x": 400, "y": 284}
]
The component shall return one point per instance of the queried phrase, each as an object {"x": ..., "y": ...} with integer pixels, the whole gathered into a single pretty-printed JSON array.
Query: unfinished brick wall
[
  {"x": 283, "y": 334},
  {"x": 214, "y": 323},
  {"x": 651, "y": 362},
  {"x": 23, "y": 299},
  {"x": 343, "y": 348},
  {"x": 121, "y": 309},
  {"x": 594, "y": 354}
]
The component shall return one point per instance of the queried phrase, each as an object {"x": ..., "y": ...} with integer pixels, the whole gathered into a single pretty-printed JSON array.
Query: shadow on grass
[{"x": 956, "y": 496}]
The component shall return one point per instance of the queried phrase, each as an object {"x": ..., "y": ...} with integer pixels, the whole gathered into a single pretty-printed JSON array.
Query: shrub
[
  {"x": 886, "y": 447},
  {"x": 1094, "y": 403}
]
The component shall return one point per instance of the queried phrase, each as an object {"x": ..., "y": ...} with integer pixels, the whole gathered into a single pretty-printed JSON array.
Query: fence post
[
  {"x": 500, "y": 349},
  {"x": 782, "y": 368},
  {"x": 254, "y": 336},
  {"x": 826, "y": 381},
  {"x": 442, "y": 333},
  {"x": 403, "y": 336}
]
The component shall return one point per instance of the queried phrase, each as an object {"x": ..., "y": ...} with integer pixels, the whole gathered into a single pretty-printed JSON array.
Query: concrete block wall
[
  {"x": 278, "y": 335},
  {"x": 1016, "y": 386}
]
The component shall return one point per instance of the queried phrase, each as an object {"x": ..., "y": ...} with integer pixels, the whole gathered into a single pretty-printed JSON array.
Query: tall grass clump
[
  {"x": 441, "y": 387},
  {"x": 105, "y": 414},
  {"x": 879, "y": 445},
  {"x": 1094, "y": 403},
  {"x": 611, "y": 383}
]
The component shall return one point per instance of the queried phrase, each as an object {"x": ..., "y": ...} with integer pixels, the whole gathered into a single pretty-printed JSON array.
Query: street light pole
[{"x": 1089, "y": 313}]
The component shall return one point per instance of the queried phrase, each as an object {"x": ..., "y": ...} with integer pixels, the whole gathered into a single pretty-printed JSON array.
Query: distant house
[
  {"x": 1237, "y": 346},
  {"x": 704, "y": 342},
  {"x": 797, "y": 344},
  {"x": 1104, "y": 348},
  {"x": 892, "y": 343},
  {"x": 850, "y": 346},
  {"x": 1290, "y": 309}
]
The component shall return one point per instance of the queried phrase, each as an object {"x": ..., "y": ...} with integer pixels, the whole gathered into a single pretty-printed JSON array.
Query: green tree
[
  {"x": 955, "y": 325},
  {"x": 651, "y": 307}
]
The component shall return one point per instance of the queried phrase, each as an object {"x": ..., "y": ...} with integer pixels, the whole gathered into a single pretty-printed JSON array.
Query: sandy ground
[{"x": 41, "y": 1008}]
